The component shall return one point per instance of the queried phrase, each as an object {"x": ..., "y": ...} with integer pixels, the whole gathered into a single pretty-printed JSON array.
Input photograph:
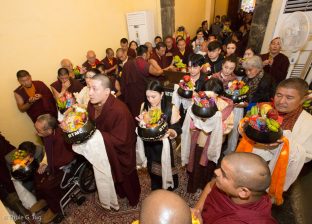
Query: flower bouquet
[
  {"x": 204, "y": 106},
  {"x": 263, "y": 124},
  {"x": 64, "y": 102},
  {"x": 237, "y": 91},
  {"x": 76, "y": 126},
  {"x": 153, "y": 126},
  {"x": 179, "y": 64},
  {"x": 186, "y": 87},
  {"x": 23, "y": 164}
]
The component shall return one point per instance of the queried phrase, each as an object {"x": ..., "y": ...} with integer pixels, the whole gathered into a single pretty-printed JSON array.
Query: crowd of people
[{"x": 118, "y": 90}]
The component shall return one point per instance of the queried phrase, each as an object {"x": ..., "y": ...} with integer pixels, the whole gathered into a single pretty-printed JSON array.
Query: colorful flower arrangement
[
  {"x": 237, "y": 88},
  {"x": 179, "y": 63},
  {"x": 202, "y": 100},
  {"x": 20, "y": 158},
  {"x": 152, "y": 118},
  {"x": 264, "y": 118},
  {"x": 65, "y": 101},
  {"x": 186, "y": 83},
  {"x": 74, "y": 118}
]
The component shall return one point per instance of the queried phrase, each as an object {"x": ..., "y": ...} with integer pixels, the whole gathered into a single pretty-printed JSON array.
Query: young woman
[
  {"x": 198, "y": 40},
  {"x": 201, "y": 140},
  {"x": 226, "y": 74},
  {"x": 155, "y": 98},
  {"x": 231, "y": 48},
  {"x": 133, "y": 45},
  {"x": 198, "y": 78},
  {"x": 249, "y": 52}
]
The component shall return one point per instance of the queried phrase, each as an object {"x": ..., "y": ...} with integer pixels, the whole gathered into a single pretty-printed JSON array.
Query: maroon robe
[
  {"x": 45, "y": 105},
  {"x": 133, "y": 84},
  {"x": 75, "y": 86},
  {"x": 185, "y": 58},
  {"x": 169, "y": 58},
  {"x": 5, "y": 176},
  {"x": 161, "y": 61},
  {"x": 108, "y": 65},
  {"x": 47, "y": 185},
  {"x": 88, "y": 66},
  {"x": 278, "y": 70},
  {"x": 220, "y": 209},
  {"x": 131, "y": 53},
  {"x": 118, "y": 130}
]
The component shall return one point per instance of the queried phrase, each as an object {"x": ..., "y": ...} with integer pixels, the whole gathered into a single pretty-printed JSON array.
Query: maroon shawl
[{"x": 220, "y": 209}]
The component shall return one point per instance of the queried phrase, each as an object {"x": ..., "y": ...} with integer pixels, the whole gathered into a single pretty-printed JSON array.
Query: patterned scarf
[
  {"x": 289, "y": 119},
  {"x": 253, "y": 83}
]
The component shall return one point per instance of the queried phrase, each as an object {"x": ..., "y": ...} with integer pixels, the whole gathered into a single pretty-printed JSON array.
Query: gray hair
[
  {"x": 49, "y": 121},
  {"x": 253, "y": 62}
]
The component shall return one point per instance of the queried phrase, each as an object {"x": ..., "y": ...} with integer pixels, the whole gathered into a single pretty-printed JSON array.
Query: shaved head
[
  {"x": 250, "y": 171},
  {"x": 90, "y": 53},
  {"x": 105, "y": 82},
  {"x": 164, "y": 207}
]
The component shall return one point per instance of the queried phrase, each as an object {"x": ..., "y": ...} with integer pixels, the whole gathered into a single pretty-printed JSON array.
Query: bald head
[
  {"x": 91, "y": 53},
  {"x": 66, "y": 63},
  {"x": 91, "y": 57},
  {"x": 105, "y": 82},
  {"x": 249, "y": 170},
  {"x": 165, "y": 207}
]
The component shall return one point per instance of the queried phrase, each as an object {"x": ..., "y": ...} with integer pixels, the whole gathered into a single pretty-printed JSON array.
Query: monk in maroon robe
[
  {"x": 238, "y": 194},
  {"x": 64, "y": 83},
  {"x": 110, "y": 62},
  {"x": 124, "y": 44},
  {"x": 114, "y": 121},
  {"x": 183, "y": 51},
  {"x": 158, "y": 56},
  {"x": 91, "y": 61},
  {"x": 49, "y": 176},
  {"x": 169, "y": 49},
  {"x": 33, "y": 97},
  {"x": 275, "y": 63},
  {"x": 134, "y": 79}
]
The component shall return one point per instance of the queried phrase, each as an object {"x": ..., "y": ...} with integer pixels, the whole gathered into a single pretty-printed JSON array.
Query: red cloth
[
  {"x": 118, "y": 130},
  {"x": 290, "y": 119},
  {"x": 108, "y": 65},
  {"x": 89, "y": 66},
  {"x": 75, "y": 86},
  {"x": 220, "y": 209},
  {"x": 133, "y": 84},
  {"x": 47, "y": 185},
  {"x": 278, "y": 69},
  {"x": 46, "y": 105}
]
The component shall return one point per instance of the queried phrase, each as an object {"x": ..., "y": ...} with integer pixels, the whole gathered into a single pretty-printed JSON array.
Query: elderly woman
[
  {"x": 275, "y": 63},
  {"x": 261, "y": 85}
]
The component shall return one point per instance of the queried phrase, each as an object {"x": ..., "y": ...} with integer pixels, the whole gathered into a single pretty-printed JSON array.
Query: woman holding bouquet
[
  {"x": 201, "y": 140},
  {"x": 159, "y": 154}
]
